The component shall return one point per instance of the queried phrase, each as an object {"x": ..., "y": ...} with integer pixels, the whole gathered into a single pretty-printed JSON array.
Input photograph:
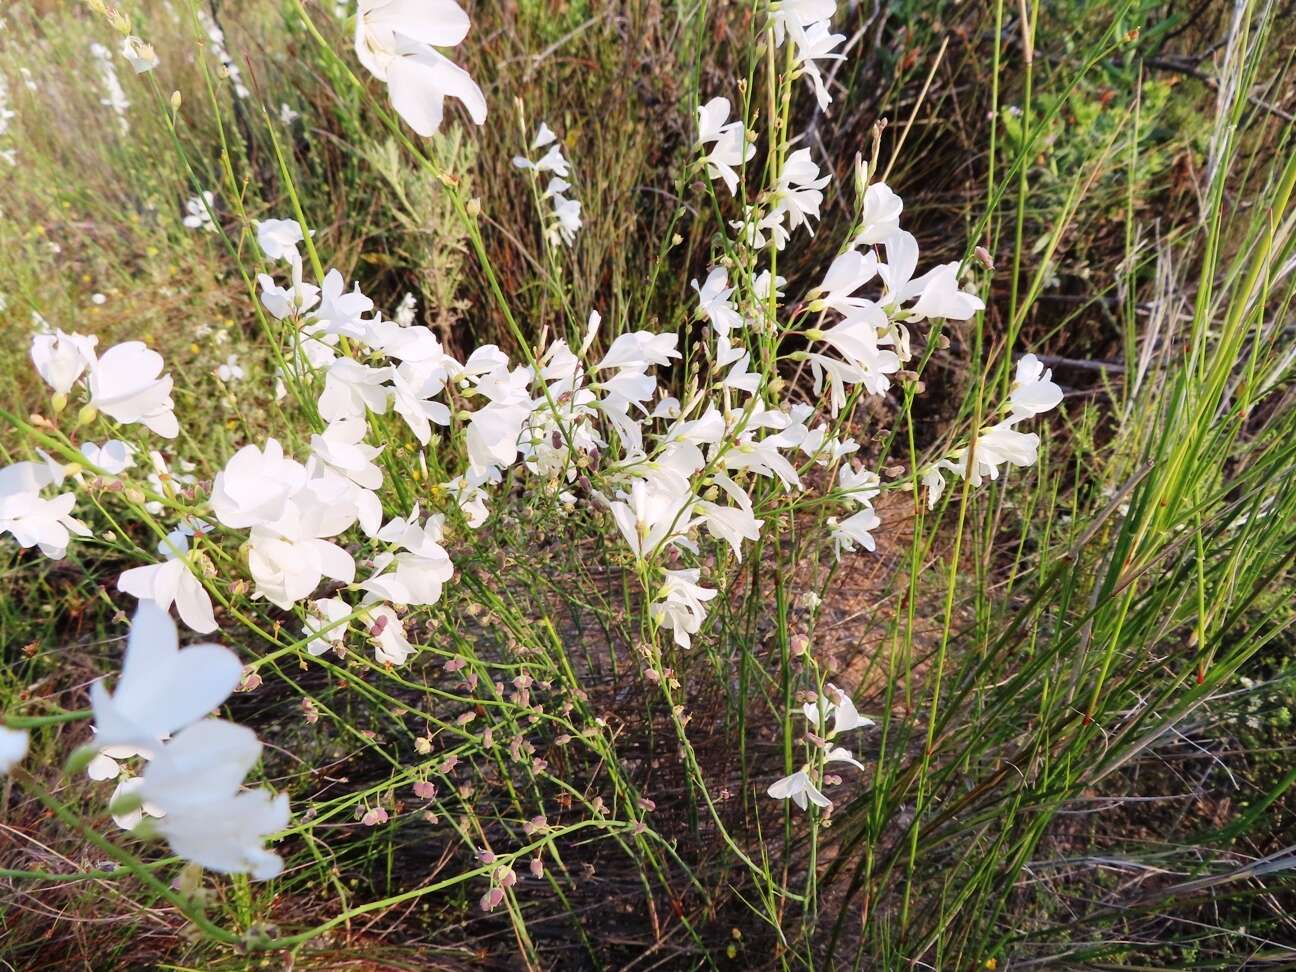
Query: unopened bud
[
  {"x": 473, "y": 207},
  {"x": 175, "y": 101},
  {"x": 87, "y": 414},
  {"x": 59, "y": 402},
  {"x": 983, "y": 255}
]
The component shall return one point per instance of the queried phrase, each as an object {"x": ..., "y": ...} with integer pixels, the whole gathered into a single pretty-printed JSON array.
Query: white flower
[
  {"x": 198, "y": 212},
  {"x": 880, "y": 218},
  {"x": 567, "y": 213},
  {"x": 937, "y": 290},
  {"x": 413, "y": 386},
  {"x": 640, "y": 349},
  {"x": 36, "y": 521},
  {"x": 339, "y": 312},
  {"x": 552, "y": 161},
  {"x": 848, "y": 272},
  {"x": 388, "y": 636},
  {"x": 799, "y": 789},
  {"x": 341, "y": 447},
  {"x": 113, "y": 457},
  {"x": 860, "y": 487},
  {"x": 173, "y": 580},
  {"x": 13, "y": 747},
  {"x": 125, "y": 385},
  {"x": 818, "y": 43},
  {"x": 1033, "y": 391},
  {"x": 941, "y": 296},
  {"x": 162, "y": 688},
  {"x": 837, "y": 705},
  {"x": 290, "y": 301},
  {"x": 714, "y": 303},
  {"x": 800, "y": 189},
  {"x": 141, "y": 55},
  {"x": 350, "y": 388},
  {"x": 195, "y": 781},
  {"x": 731, "y": 146},
  {"x": 1002, "y": 443},
  {"x": 854, "y": 530},
  {"x": 793, "y": 16},
  {"x": 324, "y": 624},
  {"x": 934, "y": 483},
  {"x": 680, "y": 605},
  {"x": 130, "y": 819},
  {"x": 255, "y": 486},
  {"x": 289, "y": 568},
  {"x": 733, "y": 524},
  {"x": 231, "y": 371},
  {"x": 394, "y": 40},
  {"x": 61, "y": 358},
  {"x": 106, "y": 766},
  {"x": 650, "y": 517},
  {"x": 278, "y": 238}
]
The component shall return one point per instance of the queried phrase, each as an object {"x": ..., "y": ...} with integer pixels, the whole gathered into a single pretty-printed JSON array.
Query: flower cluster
[
  {"x": 566, "y": 218},
  {"x": 805, "y": 785},
  {"x": 192, "y": 785},
  {"x": 216, "y": 43},
  {"x": 114, "y": 95},
  {"x": 1033, "y": 393},
  {"x": 684, "y": 443}
]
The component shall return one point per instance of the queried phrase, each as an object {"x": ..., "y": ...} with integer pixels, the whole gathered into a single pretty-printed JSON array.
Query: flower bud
[
  {"x": 87, "y": 414},
  {"x": 473, "y": 207},
  {"x": 59, "y": 402}
]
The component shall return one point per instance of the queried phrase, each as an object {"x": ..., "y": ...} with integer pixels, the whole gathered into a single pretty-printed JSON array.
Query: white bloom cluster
[
  {"x": 1033, "y": 393},
  {"x": 595, "y": 428},
  {"x": 7, "y": 114},
  {"x": 198, "y": 212},
  {"x": 805, "y": 785},
  {"x": 216, "y": 43},
  {"x": 114, "y": 95},
  {"x": 566, "y": 220},
  {"x": 192, "y": 786}
]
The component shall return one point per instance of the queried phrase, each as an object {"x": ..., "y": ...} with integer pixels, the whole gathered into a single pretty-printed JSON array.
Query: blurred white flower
[
  {"x": 231, "y": 370},
  {"x": 140, "y": 54},
  {"x": 162, "y": 688},
  {"x": 131, "y": 818},
  {"x": 195, "y": 781},
  {"x": 13, "y": 747},
  {"x": 198, "y": 212}
]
